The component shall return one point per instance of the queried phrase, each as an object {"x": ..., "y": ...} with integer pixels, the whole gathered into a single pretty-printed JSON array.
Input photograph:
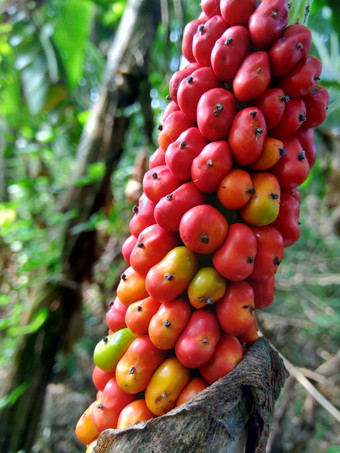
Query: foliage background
[{"x": 52, "y": 58}]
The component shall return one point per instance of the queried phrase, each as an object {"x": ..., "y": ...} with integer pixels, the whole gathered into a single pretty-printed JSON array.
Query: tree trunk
[
  {"x": 233, "y": 415},
  {"x": 59, "y": 303}
]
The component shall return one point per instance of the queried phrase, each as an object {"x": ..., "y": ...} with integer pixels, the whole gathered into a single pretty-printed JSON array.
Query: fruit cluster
[{"x": 219, "y": 205}]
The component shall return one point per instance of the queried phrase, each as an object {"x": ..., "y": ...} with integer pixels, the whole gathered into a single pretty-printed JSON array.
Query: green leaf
[
  {"x": 72, "y": 29},
  {"x": 35, "y": 83},
  {"x": 10, "y": 399},
  {"x": 33, "y": 326}
]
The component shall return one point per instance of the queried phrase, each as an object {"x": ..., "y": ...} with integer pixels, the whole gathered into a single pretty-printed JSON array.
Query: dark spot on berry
[
  {"x": 299, "y": 45},
  {"x": 252, "y": 190},
  {"x": 189, "y": 79},
  {"x": 250, "y": 259},
  {"x": 169, "y": 197},
  {"x": 100, "y": 406},
  {"x": 183, "y": 144},
  {"x": 132, "y": 370},
  {"x": 301, "y": 155},
  {"x": 273, "y": 14},
  {"x": 105, "y": 339},
  {"x": 160, "y": 127},
  {"x": 285, "y": 98},
  {"x": 166, "y": 323},
  {"x": 219, "y": 107},
  {"x": 140, "y": 245},
  {"x": 139, "y": 308},
  {"x": 253, "y": 113},
  {"x": 210, "y": 163},
  {"x": 204, "y": 238},
  {"x": 111, "y": 303},
  {"x": 258, "y": 131},
  {"x": 169, "y": 277},
  {"x": 123, "y": 276},
  {"x": 282, "y": 151},
  {"x": 205, "y": 340},
  {"x": 154, "y": 175},
  {"x": 135, "y": 209},
  {"x": 302, "y": 117},
  {"x": 228, "y": 41},
  {"x": 168, "y": 98},
  {"x": 277, "y": 261},
  {"x": 201, "y": 29},
  {"x": 274, "y": 196}
]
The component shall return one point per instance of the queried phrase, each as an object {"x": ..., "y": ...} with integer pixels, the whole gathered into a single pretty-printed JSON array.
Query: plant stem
[{"x": 299, "y": 11}]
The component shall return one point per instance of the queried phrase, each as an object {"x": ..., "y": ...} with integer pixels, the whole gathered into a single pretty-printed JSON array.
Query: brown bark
[
  {"x": 102, "y": 141},
  {"x": 231, "y": 416}
]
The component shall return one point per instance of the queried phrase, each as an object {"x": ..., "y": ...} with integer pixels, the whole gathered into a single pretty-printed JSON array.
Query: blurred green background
[{"x": 52, "y": 59}]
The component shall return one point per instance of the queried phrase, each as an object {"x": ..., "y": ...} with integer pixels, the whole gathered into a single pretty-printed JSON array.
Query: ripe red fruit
[
  {"x": 127, "y": 247},
  {"x": 306, "y": 140},
  {"x": 205, "y": 38},
  {"x": 235, "y": 258},
  {"x": 178, "y": 76},
  {"x": 247, "y": 134},
  {"x": 293, "y": 168},
  {"x": 170, "y": 209},
  {"x": 263, "y": 291},
  {"x": 170, "y": 108},
  {"x": 107, "y": 409},
  {"x": 143, "y": 216},
  {"x": 100, "y": 377},
  {"x": 158, "y": 182},
  {"x": 253, "y": 77},
  {"x": 229, "y": 51},
  {"x": 287, "y": 222},
  {"x": 210, "y": 7},
  {"x": 228, "y": 353},
  {"x": 215, "y": 112},
  {"x": 197, "y": 342},
  {"x": 269, "y": 252},
  {"x": 157, "y": 158},
  {"x": 174, "y": 125},
  {"x": 192, "y": 88},
  {"x": 316, "y": 106},
  {"x": 203, "y": 229},
  {"x": 152, "y": 245},
  {"x": 272, "y": 104},
  {"x": 235, "y": 311},
  {"x": 209, "y": 167},
  {"x": 293, "y": 118},
  {"x": 267, "y": 22},
  {"x": 237, "y": 12},
  {"x": 188, "y": 34},
  {"x": 301, "y": 80},
  {"x": 115, "y": 316},
  {"x": 291, "y": 47},
  {"x": 182, "y": 152}
]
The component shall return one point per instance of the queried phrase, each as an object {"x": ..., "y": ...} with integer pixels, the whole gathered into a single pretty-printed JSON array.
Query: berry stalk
[{"x": 299, "y": 11}]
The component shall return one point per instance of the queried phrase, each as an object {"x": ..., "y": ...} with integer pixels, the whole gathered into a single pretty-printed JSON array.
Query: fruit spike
[{"x": 207, "y": 237}]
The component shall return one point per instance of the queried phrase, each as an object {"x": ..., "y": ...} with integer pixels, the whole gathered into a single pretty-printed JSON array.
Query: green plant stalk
[{"x": 299, "y": 11}]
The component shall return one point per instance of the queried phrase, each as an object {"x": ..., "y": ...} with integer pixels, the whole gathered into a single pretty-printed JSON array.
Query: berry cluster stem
[{"x": 299, "y": 11}]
